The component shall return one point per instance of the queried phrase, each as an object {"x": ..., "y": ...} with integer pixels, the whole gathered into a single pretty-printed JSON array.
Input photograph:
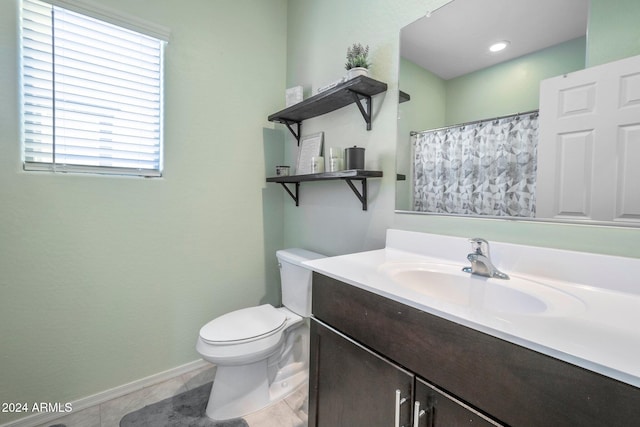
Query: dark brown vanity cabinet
[
  {"x": 435, "y": 408},
  {"x": 365, "y": 347},
  {"x": 354, "y": 387}
]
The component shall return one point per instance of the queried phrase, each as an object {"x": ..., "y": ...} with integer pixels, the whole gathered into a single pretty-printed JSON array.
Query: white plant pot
[{"x": 357, "y": 71}]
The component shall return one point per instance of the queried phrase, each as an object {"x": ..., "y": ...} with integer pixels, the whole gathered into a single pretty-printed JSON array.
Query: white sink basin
[
  {"x": 449, "y": 284},
  {"x": 584, "y": 310}
]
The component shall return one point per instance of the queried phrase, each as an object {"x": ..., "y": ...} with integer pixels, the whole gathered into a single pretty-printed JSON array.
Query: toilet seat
[{"x": 244, "y": 325}]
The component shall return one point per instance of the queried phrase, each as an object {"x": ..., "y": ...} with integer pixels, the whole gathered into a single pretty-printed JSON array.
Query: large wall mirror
[{"x": 460, "y": 102}]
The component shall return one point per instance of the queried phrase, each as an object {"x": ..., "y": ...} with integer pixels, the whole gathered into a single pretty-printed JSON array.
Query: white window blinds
[{"x": 91, "y": 94}]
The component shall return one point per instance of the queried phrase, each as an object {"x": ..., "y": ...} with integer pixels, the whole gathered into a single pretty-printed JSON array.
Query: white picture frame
[{"x": 310, "y": 146}]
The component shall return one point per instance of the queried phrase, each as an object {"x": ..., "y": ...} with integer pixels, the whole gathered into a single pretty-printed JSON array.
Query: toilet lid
[{"x": 244, "y": 324}]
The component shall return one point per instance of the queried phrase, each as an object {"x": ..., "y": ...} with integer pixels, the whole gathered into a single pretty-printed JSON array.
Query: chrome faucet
[{"x": 481, "y": 262}]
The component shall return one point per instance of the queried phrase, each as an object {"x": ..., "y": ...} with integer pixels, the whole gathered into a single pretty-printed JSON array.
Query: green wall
[
  {"x": 429, "y": 96},
  {"x": 106, "y": 280},
  {"x": 329, "y": 218},
  {"x": 614, "y": 32},
  {"x": 506, "y": 88},
  {"x": 511, "y": 86},
  {"x": 425, "y": 110}
]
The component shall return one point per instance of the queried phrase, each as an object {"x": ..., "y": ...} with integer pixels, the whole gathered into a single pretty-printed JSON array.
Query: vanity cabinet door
[
  {"x": 435, "y": 408},
  {"x": 349, "y": 386}
]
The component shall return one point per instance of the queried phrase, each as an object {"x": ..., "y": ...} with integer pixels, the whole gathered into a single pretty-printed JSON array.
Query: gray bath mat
[{"x": 184, "y": 410}]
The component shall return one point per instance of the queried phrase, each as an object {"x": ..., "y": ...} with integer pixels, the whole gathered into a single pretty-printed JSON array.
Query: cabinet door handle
[
  {"x": 399, "y": 401},
  {"x": 417, "y": 413}
]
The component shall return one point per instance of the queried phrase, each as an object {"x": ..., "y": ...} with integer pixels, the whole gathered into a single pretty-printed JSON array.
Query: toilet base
[{"x": 238, "y": 391}]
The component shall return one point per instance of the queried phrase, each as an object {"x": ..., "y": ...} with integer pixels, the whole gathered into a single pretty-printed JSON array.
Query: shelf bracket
[
  {"x": 296, "y": 189},
  {"x": 366, "y": 114},
  {"x": 362, "y": 196},
  {"x": 296, "y": 133}
]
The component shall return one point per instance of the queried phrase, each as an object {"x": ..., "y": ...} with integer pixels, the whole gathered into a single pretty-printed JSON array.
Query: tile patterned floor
[{"x": 292, "y": 412}]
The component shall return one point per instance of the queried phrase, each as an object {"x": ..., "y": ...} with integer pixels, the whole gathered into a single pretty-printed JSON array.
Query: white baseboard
[{"x": 105, "y": 396}]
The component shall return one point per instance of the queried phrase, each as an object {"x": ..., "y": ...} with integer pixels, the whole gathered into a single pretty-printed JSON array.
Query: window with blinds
[{"x": 91, "y": 94}]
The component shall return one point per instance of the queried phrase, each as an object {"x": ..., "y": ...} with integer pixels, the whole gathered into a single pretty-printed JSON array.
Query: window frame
[{"x": 95, "y": 11}]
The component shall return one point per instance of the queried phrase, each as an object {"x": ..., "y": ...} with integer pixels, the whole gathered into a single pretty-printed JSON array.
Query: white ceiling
[{"x": 455, "y": 39}]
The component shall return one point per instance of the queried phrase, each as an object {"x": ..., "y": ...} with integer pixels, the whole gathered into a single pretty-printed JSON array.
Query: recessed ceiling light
[{"x": 497, "y": 47}]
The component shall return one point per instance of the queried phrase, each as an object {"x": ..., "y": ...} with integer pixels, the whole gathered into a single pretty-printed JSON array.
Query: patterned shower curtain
[{"x": 483, "y": 168}]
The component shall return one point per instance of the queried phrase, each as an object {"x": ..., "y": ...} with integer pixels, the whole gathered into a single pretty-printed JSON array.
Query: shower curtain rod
[{"x": 413, "y": 132}]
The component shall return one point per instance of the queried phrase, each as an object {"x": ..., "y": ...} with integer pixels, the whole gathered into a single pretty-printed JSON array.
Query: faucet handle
[{"x": 479, "y": 246}]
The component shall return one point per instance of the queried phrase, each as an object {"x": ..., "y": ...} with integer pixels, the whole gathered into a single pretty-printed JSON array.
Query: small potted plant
[{"x": 357, "y": 61}]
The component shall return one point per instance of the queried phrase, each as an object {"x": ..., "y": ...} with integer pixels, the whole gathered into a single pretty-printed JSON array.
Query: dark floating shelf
[
  {"x": 352, "y": 91},
  {"x": 347, "y": 175}
]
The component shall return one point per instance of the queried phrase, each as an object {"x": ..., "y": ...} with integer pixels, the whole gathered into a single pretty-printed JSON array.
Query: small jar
[
  {"x": 282, "y": 170},
  {"x": 354, "y": 157}
]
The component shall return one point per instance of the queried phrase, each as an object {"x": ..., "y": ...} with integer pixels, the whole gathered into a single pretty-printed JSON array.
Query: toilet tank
[{"x": 295, "y": 279}]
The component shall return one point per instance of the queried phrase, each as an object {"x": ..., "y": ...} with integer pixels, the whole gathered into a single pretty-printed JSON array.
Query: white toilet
[{"x": 261, "y": 352}]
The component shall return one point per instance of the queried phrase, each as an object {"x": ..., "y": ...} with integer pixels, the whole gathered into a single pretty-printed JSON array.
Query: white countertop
[{"x": 601, "y": 332}]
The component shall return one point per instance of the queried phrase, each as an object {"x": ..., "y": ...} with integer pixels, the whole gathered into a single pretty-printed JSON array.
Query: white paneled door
[{"x": 589, "y": 146}]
